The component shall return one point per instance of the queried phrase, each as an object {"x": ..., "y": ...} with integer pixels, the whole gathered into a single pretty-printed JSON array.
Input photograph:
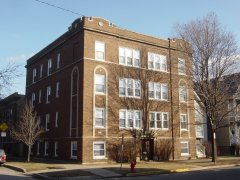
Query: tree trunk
[
  {"x": 29, "y": 153},
  {"x": 214, "y": 148}
]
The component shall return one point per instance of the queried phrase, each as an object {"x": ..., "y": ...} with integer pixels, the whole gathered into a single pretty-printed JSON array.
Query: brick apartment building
[
  {"x": 87, "y": 87},
  {"x": 10, "y": 110}
]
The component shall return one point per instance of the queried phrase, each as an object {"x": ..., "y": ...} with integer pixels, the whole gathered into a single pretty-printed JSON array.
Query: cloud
[{"x": 21, "y": 58}]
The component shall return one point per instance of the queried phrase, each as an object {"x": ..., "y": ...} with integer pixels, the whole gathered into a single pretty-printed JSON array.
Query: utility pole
[{"x": 171, "y": 94}]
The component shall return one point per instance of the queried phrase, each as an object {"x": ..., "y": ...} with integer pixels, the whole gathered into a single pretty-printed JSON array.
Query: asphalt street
[{"x": 232, "y": 173}]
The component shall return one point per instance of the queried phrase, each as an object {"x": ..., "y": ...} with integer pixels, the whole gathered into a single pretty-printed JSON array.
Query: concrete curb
[{"x": 15, "y": 168}]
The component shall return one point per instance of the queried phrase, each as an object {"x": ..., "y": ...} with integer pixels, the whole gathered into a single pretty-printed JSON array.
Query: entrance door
[{"x": 151, "y": 149}]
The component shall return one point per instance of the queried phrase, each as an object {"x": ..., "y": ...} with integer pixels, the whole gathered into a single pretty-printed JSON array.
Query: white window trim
[
  {"x": 180, "y": 99},
  {"x": 96, "y": 92},
  {"x": 104, "y": 117},
  {"x": 126, "y": 119},
  {"x": 104, "y": 53},
  {"x": 47, "y": 122},
  {"x": 55, "y": 148},
  {"x": 49, "y": 69},
  {"x": 199, "y": 134},
  {"x": 134, "y": 89},
  {"x": 41, "y": 71},
  {"x": 99, "y": 157},
  {"x": 48, "y": 94},
  {"x": 154, "y": 61},
  {"x": 125, "y": 56},
  {"x": 46, "y": 147},
  {"x": 186, "y": 117},
  {"x": 184, "y": 63},
  {"x": 73, "y": 157},
  {"x": 162, "y": 122},
  {"x": 34, "y": 75},
  {"x": 188, "y": 148},
  {"x": 56, "y": 119},
  {"x": 57, "y": 89},
  {"x": 154, "y": 89},
  {"x": 58, "y": 60}
]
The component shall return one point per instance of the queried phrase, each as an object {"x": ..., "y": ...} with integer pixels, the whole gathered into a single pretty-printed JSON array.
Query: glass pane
[
  {"x": 122, "y": 60},
  {"x": 99, "y": 113},
  {"x": 152, "y": 124},
  {"x": 129, "y": 61},
  {"x": 99, "y": 55},
  {"x": 99, "y": 46},
  {"x": 99, "y": 79},
  {"x": 150, "y": 64},
  {"x": 137, "y": 62},
  {"x": 121, "y": 51},
  {"x": 159, "y": 124},
  {"x": 122, "y": 123}
]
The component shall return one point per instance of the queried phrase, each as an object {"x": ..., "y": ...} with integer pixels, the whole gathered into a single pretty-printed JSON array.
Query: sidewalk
[{"x": 76, "y": 171}]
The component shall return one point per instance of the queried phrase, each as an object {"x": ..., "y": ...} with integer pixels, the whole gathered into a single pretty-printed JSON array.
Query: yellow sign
[{"x": 3, "y": 126}]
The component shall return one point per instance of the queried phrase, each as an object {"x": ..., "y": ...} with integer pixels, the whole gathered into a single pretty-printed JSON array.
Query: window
[
  {"x": 182, "y": 94},
  {"x": 99, "y": 83},
  {"x": 184, "y": 148},
  {"x": 41, "y": 71},
  {"x": 99, "y": 151},
  {"x": 49, "y": 66},
  {"x": 181, "y": 66},
  {"x": 129, "y": 87},
  {"x": 158, "y": 120},
  {"x": 129, "y": 57},
  {"x": 157, "y": 62},
  {"x": 47, "y": 122},
  {"x": 184, "y": 122},
  {"x": 40, "y": 96},
  {"x": 48, "y": 94},
  {"x": 33, "y": 98},
  {"x": 199, "y": 131},
  {"x": 57, "y": 89},
  {"x": 158, "y": 91},
  {"x": 46, "y": 149},
  {"x": 56, "y": 149},
  {"x": 34, "y": 75},
  {"x": 56, "y": 119},
  {"x": 99, "y": 117},
  {"x": 99, "y": 50},
  {"x": 130, "y": 119},
  {"x": 58, "y": 60},
  {"x": 74, "y": 150}
]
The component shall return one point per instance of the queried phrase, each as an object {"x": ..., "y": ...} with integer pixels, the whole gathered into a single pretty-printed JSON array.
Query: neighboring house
[
  {"x": 201, "y": 128},
  {"x": 230, "y": 134},
  {"x": 10, "y": 110},
  {"x": 70, "y": 83}
]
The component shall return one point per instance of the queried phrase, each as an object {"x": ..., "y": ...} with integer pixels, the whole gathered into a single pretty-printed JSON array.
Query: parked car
[{"x": 3, "y": 157}]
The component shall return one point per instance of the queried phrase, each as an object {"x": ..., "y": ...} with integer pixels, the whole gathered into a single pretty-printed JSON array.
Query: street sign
[
  {"x": 3, "y": 126},
  {"x": 3, "y": 134}
]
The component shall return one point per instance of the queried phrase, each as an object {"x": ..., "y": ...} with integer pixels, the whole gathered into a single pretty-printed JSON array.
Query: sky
[{"x": 27, "y": 26}]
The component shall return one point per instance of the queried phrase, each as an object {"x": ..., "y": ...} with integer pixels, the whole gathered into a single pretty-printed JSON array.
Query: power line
[{"x": 58, "y": 7}]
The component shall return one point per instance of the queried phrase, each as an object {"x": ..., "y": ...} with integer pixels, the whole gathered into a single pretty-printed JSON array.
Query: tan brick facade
[{"x": 78, "y": 103}]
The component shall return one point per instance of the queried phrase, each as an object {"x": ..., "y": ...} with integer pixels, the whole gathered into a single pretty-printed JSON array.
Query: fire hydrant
[{"x": 132, "y": 165}]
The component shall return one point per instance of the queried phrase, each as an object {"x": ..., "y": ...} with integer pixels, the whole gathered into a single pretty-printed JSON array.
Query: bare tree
[
  {"x": 214, "y": 53},
  {"x": 142, "y": 98},
  {"x": 28, "y": 129},
  {"x": 7, "y": 74}
]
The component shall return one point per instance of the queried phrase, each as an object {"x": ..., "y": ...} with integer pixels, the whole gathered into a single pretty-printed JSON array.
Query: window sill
[
  {"x": 99, "y": 127},
  {"x": 99, "y": 157}
]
